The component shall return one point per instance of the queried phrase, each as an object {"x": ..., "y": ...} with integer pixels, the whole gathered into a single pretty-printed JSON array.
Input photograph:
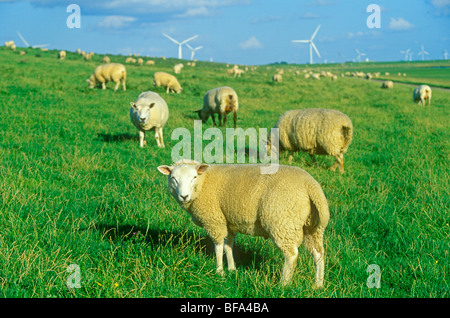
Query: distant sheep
[
  {"x": 140, "y": 61},
  {"x": 9, "y": 43},
  {"x": 277, "y": 78},
  {"x": 168, "y": 81},
  {"x": 62, "y": 55},
  {"x": 315, "y": 76},
  {"x": 387, "y": 84},
  {"x": 130, "y": 60},
  {"x": 221, "y": 101},
  {"x": 238, "y": 72},
  {"x": 421, "y": 94},
  {"x": 88, "y": 56},
  {"x": 288, "y": 206},
  {"x": 150, "y": 62},
  {"x": 177, "y": 68},
  {"x": 316, "y": 131},
  {"x": 106, "y": 60},
  {"x": 109, "y": 72},
  {"x": 149, "y": 112}
]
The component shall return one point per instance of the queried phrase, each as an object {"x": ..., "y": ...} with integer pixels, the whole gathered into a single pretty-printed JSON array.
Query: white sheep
[
  {"x": 277, "y": 78},
  {"x": 140, "y": 61},
  {"x": 149, "y": 112},
  {"x": 62, "y": 55},
  {"x": 288, "y": 206},
  {"x": 221, "y": 101},
  {"x": 316, "y": 131},
  {"x": 167, "y": 80},
  {"x": 315, "y": 76},
  {"x": 238, "y": 72},
  {"x": 387, "y": 84},
  {"x": 150, "y": 62},
  {"x": 421, "y": 94},
  {"x": 106, "y": 59},
  {"x": 9, "y": 43},
  {"x": 177, "y": 68},
  {"x": 109, "y": 72}
]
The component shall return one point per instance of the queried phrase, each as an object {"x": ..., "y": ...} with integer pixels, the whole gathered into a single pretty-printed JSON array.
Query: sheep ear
[
  {"x": 202, "y": 168},
  {"x": 166, "y": 170},
  {"x": 151, "y": 105},
  {"x": 133, "y": 105}
]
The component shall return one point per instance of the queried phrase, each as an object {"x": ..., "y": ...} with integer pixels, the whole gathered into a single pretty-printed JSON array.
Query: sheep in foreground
[
  {"x": 277, "y": 78},
  {"x": 221, "y": 101},
  {"x": 288, "y": 206},
  {"x": 62, "y": 55},
  {"x": 421, "y": 94},
  {"x": 316, "y": 131},
  {"x": 109, "y": 72},
  {"x": 168, "y": 81},
  {"x": 387, "y": 84},
  {"x": 149, "y": 112}
]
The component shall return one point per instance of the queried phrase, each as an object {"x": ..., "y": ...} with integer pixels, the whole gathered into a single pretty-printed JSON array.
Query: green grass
[{"x": 76, "y": 188}]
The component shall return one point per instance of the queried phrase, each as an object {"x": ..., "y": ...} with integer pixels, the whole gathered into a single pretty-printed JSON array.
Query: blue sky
[{"x": 248, "y": 32}]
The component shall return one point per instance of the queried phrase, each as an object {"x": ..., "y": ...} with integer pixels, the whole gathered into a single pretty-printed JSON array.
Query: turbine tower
[
  {"x": 28, "y": 45},
  {"x": 445, "y": 55},
  {"x": 311, "y": 45},
  {"x": 406, "y": 53},
  {"x": 180, "y": 44},
  {"x": 193, "y": 50},
  {"x": 423, "y": 52},
  {"x": 358, "y": 58}
]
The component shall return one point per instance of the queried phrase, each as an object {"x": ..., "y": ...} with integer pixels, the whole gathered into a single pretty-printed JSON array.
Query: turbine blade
[
  {"x": 190, "y": 39},
  {"x": 23, "y": 40},
  {"x": 39, "y": 45},
  {"x": 300, "y": 41},
  {"x": 315, "y": 49},
  {"x": 171, "y": 39},
  {"x": 315, "y": 32},
  {"x": 190, "y": 47},
  {"x": 198, "y": 48}
]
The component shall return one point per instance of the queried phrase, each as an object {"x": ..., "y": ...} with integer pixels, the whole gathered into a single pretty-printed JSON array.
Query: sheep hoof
[
  {"x": 220, "y": 272},
  {"x": 318, "y": 285}
]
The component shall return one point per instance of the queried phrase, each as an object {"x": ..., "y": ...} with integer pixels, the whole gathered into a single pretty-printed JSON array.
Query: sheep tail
[
  {"x": 347, "y": 133},
  {"x": 320, "y": 203}
]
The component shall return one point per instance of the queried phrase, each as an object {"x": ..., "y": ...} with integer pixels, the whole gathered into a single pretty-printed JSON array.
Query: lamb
[
  {"x": 106, "y": 59},
  {"x": 109, "y": 72},
  {"x": 177, "y": 68},
  {"x": 387, "y": 84},
  {"x": 421, "y": 94},
  {"x": 62, "y": 55},
  {"x": 221, "y": 101},
  {"x": 288, "y": 206},
  {"x": 149, "y": 112},
  {"x": 277, "y": 78},
  {"x": 167, "y": 80},
  {"x": 316, "y": 131}
]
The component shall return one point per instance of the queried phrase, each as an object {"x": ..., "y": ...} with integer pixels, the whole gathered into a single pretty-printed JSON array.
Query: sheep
[
  {"x": 62, "y": 55},
  {"x": 277, "y": 78},
  {"x": 316, "y": 131},
  {"x": 9, "y": 43},
  {"x": 177, "y": 68},
  {"x": 150, "y": 62},
  {"x": 288, "y": 206},
  {"x": 238, "y": 72},
  {"x": 130, "y": 60},
  {"x": 88, "y": 56},
  {"x": 22, "y": 52},
  {"x": 106, "y": 59},
  {"x": 387, "y": 84},
  {"x": 306, "y": 75},
  {"x": 167, "y": 80},
  {"x": 140, "y": 61},
  {"x": 334, "y": 77},
  {"x": 368, "y": 76},
  {"x": 12, "y": 47},
  {"x": 79, "y": 51},
  {"x": 221, "y": 101},
  {"x": 109, "y": 72},
  {"x": 149, "y": 112},
  {"x": 421, "y": 94},
  {"x": 315, "y": 76}
]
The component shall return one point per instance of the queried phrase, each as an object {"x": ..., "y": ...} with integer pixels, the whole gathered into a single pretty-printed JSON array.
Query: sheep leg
[
  {"x": 234, "y": 117},
  {"x": 213, "y": 119},
  {"x": 313, "y": 158},
  {"x": 123, "y": 85},
  {"x": 291, "y": 157},
  {"x": 220, "y": 119},
  {"x": 117, "y": 86},
  {"x": 225, "y": 119},
  {"x": 161, "y": 139},
  {"x": 339, "y": 162},
  {"x": 314, "y": 244},
  {"x": 229, "y": 251},
  {"x": 290, "y": 260},
  {"x": 141, "y": 138},
  {"x": 218, "y": 248},
  {"x": 103, "y": 85}
]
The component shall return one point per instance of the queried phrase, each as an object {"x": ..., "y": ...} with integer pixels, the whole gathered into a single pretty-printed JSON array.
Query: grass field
[{"x": 77, "y": 189}]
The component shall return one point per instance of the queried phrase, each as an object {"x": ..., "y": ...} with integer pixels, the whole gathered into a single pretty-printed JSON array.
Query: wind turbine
[
  {"x": 410, "y": 56},
  {"x": 423, "y": 52},
  {"x": 28, "y": 45},
  {"x": 180, "y": 43},
  {"x": 359, "y": 55},
  {"x": 445, "y": 55},
  {"x": 406, "y": 53},
  {"x": 311, "y": 45},
  {"x": 193, "y": 50}
]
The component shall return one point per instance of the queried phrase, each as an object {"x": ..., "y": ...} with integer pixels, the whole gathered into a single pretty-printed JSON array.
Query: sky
[{"x": 249, "y": 32}]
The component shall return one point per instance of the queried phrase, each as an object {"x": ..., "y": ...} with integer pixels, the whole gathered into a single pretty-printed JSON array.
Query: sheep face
[
  {"x": 143, "y": 112},
  {"x": 92, "y": 81},
  {"x": 183, "y": 180}
]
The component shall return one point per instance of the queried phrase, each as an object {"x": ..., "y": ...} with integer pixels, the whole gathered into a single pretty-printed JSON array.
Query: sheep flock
[{"x": 289, "y": 207}]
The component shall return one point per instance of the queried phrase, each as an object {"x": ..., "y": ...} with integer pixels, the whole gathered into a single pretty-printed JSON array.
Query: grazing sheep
[
  {"x": 167, "y": 80},
  {"x": 315, "y": 76},
  {"x": 277, "y": 78},
  {"x": 9, "y": 43},
  {"x": 421, "y": 94},
  {"x": 288, "y": 206},
  {"x": 62, "y": 55},
  {"x": 177, "y": 68},
  {"x": 316, "y": 131},
  {"x": 88, "y": 56},
  {"x": 368, "y": 76},
  {"x": 22, "y": 52},
  {"x": 149, "y": 112},
  {"x": 307, "y": 75},
  {"x": 108, "y": 72},
  {"x": 140, "y": 61},
  {"x": 79, "y": 51},
  {"x": 221, "y": 101},
  {"x": 12, "y": 47},
  {"x": 150, "y": 62},
  {"x": 238, "y": 72},
  {"x": 387, "y": 84},
  {"x": 106, "y": 60},
  {"x": 334, "y": 77}
]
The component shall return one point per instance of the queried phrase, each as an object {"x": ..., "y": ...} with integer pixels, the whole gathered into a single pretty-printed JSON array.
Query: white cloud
[
  {"x": 309, "y": 15},
  {"x": 400, "y": 24},
  {"x": 440, "y": 3},
  {"x": 195, "y": 12},
  {"x": 115, "y": 22},
  {"x": 251, "y": 43}
]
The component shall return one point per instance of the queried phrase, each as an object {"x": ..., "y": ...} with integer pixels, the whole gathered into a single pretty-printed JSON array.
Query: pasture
[{"x": 75, "y": 188}]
